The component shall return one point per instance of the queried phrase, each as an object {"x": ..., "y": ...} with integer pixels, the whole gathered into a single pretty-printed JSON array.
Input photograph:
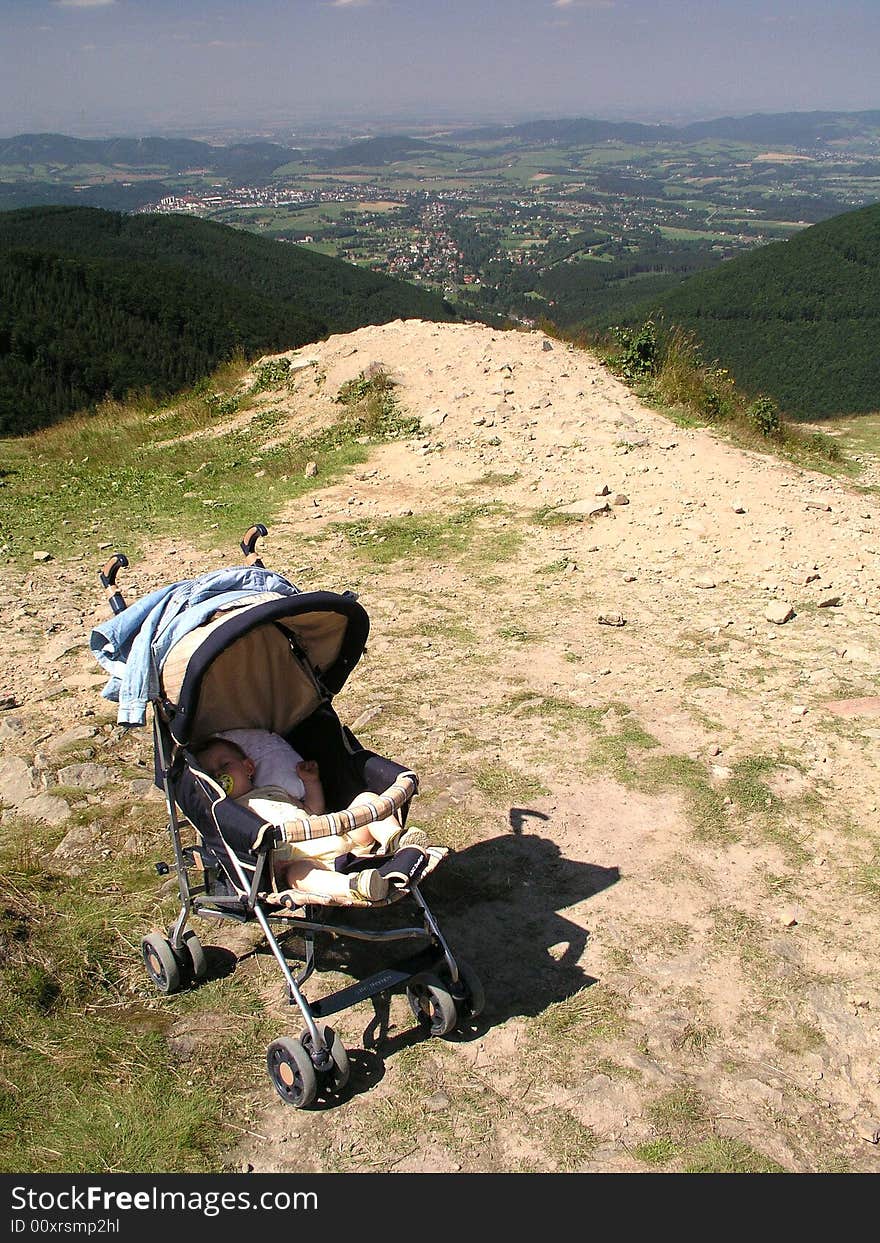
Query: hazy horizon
[{"x": 110, "y": 67}]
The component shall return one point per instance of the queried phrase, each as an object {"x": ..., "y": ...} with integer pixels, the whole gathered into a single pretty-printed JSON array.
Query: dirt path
[{"x": 665, "y": 864}]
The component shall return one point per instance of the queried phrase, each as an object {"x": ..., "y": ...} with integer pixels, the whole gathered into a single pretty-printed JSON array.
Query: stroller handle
[
  {"x": 249, "y": 543},
  {"x": 370, "y": 808},
  {"x": 117, "y": 562}
]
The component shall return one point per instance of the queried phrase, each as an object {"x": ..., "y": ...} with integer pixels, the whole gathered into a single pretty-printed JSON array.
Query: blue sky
[{"x": 138, "y": 66}]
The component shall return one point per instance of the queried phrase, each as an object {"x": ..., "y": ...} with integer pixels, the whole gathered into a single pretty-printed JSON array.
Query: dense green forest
[
  {"x": 95, "y": 304},
  {"x": 798, "y": 320}
]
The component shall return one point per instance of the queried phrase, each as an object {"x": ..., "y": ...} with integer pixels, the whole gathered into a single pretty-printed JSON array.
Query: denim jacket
[{"x": 132, "y": 645}]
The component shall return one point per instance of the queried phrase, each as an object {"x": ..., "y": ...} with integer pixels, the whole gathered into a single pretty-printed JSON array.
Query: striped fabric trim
[{"x": 369, "y": 809}]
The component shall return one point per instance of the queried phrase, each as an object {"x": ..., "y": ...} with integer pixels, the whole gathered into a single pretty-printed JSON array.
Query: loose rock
[{"x": 779, "y": 614}]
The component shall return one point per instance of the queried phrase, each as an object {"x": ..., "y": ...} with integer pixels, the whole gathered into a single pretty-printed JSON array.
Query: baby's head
[{"x": 228, "y": 765}]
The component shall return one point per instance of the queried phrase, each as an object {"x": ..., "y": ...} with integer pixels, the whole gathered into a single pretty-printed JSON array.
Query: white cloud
[
  {"x": 350, "y": 4},
  {"x": 83, "y": 4}
]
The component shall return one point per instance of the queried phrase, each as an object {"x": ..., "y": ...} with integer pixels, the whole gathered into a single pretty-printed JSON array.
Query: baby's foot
[
  {"x": 407, "y": 837},
  {"x": 369, "y": 884}
]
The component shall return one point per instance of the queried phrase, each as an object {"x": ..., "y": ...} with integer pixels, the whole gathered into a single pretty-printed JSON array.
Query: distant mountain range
[
  {"x": 800, "y": 129},
  {"x": 261, "y": 159},
  {"x": 96, "y": 303},
  {"x": 797, "y": 320},
  {"x": 165, "y": 155}
]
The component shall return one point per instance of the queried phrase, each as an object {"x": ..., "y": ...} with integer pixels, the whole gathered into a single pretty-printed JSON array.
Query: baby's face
[{"x": 221, "y": 760}]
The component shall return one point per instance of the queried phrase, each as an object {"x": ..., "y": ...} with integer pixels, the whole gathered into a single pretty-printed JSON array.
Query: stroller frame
[{"x": 443, "y": 991}]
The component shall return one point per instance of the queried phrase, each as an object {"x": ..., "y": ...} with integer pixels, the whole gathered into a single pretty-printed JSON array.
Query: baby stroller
[{"x": 244, "y": 648}]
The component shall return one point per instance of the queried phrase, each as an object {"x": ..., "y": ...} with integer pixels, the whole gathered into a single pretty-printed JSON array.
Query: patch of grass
[
  {"x": 453, "y": 829},
  {"x": 495, "y": 479},
  {"x": 612, "y": 731},
  {"x": 517, "y": 633},
  {"x": 799, "y": 1038},
  {"x": 87, "y": 1080},
  {"x": 552, "y": 516},
  {"x": 614, "y": 1070},
  {"x": 619, "y": 958},
  {"x": 565, "y": 1141},
  {"x": 618, "y": 734},
  {"x": 665, "y": 365},
  {"x": 717, "y": 1155},
  {"x": 867, "y": 879},
  {"x": 133, "y": 472},
  {"x": 696, "y": 1037},
  {"x": 736, "y": 932},
  {"x": 504, "y": 785},
  {"x": 678, "y": 1113},
  {"x": 703, "y": 802},
  {"x": 685, "y": 1131},
  {"x": 661, "y": 935},
  {"x": 589, "y": 1014},
  {"x": 747, "y": 788},
  {"x": 273, "y": 373},
  {"x": 656, "y": 1151},
  {"x": 437, "y": 537},
  {"x": 444, "y": 627}
]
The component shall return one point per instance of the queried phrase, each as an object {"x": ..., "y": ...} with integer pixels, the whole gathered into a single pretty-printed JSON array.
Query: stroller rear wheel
[
  {"x": 161, "y": 962},
  {"x": 292, "y": 1072},
  {"x": 471, "y": 1004},
  {"x": 432, "y": 1004}
]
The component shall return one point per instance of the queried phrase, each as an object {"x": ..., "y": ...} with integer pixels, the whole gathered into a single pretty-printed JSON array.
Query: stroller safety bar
[{"x": 368, "y": 809}]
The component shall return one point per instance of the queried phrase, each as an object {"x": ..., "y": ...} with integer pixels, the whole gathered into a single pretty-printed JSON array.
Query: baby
[{"x": 308, "y": 865}]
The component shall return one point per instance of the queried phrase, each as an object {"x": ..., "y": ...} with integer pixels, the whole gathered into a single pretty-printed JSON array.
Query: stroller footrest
[{"x": 386, "y": 981}]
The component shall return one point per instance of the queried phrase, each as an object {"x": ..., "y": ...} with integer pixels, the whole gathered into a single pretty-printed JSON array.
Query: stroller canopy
[{"x": 267, "y": 662}]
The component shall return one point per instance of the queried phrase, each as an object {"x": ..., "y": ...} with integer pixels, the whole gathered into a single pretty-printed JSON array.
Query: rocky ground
[{"x": 636, "y": 669}]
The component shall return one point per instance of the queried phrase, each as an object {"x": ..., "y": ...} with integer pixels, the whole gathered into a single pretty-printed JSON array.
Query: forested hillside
[
  {"x": 798, "y": 320},
  {"x": 95, "y": 303}
]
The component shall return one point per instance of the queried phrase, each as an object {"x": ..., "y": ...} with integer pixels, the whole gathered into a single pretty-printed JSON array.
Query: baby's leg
[
  {"x": 388, "y": 833},
  {"x": 302, "y": 874}
]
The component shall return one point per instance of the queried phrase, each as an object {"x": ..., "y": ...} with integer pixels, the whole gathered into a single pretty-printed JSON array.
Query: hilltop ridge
[{"x": 660, "y": 794}]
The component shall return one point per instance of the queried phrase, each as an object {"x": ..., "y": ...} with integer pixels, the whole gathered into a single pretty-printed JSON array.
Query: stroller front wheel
[
  {"x": 292, "y": 1072},
  {"x": 337, "y": 1075},
  {"x": 194, "y": 951},
  {"x": 432, "y": 1005},
  {"x": 161, "y": 963}
]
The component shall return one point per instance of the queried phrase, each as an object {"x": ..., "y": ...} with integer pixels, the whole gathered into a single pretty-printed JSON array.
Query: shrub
[
  {"x": 221, "y": 403},
  {"x": 270, "y": 374},
  {"x": 639, "y": 351},
  {"x": 764, "y": 415},
  {"x": 370, "y": 398}
]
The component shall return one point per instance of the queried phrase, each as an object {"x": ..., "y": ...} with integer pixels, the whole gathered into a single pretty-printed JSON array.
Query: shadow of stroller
[{"x": 501, "y": 902}]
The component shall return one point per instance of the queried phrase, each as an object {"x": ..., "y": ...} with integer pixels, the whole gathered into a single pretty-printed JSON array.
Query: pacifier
[{"x": 226, "y": 782}]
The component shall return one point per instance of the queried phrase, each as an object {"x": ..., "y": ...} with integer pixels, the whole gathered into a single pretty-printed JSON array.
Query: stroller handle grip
[
  {"x": 369, "y": 809},
  {"x": 117, "y": 562},
  {"x": 249, "y": 543}
]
